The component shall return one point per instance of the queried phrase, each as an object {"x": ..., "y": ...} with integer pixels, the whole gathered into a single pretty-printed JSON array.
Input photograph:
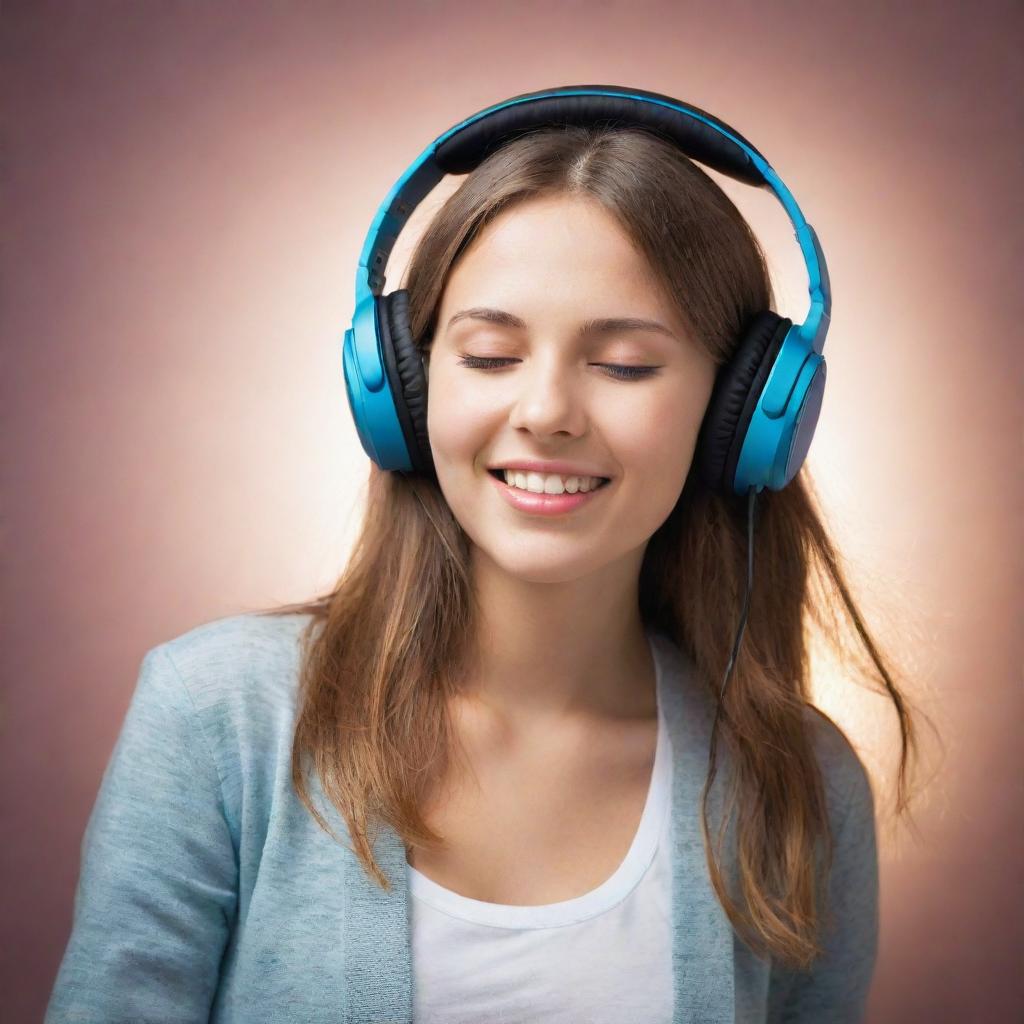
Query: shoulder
[
  {"x": 690, "y": 709},
  {"x": 239, "y": 658},
  {"x": 848, "y": 786},
  {"x": 236, "y": 681}
]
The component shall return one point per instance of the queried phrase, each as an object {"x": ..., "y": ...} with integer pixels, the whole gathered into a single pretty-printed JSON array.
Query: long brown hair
[{"x": 385, "y": 647}]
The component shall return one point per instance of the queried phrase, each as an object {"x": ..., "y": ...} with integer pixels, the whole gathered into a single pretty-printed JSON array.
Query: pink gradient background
[{"x": 186, "y": 191}]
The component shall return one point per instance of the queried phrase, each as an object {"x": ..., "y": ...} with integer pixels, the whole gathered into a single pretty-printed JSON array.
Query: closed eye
[{"x": 622, "y": 372}]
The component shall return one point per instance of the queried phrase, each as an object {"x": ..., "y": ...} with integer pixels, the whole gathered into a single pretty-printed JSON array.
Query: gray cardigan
[{"x": 208, "y": 892}]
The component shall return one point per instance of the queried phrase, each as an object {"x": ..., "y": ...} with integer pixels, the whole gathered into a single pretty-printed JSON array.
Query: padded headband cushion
[{"x": 466, "y": 148}]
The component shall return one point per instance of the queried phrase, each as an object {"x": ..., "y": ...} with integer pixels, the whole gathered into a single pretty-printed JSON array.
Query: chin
[{"x": 541, "y": 559}]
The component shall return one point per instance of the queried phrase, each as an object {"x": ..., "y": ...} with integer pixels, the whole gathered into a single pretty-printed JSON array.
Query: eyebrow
[{"x": 599, "y": 326}]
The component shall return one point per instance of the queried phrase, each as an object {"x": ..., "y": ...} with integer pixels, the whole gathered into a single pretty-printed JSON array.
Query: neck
[{"x": 545, "y": 653}]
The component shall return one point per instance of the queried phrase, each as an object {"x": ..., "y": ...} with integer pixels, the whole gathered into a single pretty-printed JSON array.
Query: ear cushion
[
  {"x": 734, "y": 397},
  {"x": 404, "y": 366}
]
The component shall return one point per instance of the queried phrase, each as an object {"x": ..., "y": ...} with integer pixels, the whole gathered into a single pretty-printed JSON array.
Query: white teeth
[{"x": 549, "y": 483}]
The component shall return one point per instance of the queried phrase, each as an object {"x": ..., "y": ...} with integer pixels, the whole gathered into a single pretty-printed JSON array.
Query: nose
[{"x": 548, "y": 398}]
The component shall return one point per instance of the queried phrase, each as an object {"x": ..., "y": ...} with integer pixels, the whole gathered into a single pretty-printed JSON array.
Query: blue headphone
[{"x": 766, "y": 400}]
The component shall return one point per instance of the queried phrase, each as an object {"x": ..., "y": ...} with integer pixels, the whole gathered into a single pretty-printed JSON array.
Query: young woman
[{"x": 471, "y": 783}]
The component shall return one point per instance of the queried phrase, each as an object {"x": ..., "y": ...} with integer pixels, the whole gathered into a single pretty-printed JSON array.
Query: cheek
[
  {"x": 461, "y": 425},
  {"x": 655, "y": 440}
]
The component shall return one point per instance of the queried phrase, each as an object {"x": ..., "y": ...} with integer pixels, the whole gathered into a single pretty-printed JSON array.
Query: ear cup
[
  {"x": 733, "y": 399},
  {"x": 404, "y": 366}
]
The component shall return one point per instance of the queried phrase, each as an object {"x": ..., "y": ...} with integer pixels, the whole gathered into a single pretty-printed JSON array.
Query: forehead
[{"x": 565, "y": 251}]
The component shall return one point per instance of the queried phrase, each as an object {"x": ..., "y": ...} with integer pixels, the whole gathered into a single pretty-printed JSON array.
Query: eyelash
[{"x": 626, "y": 372}]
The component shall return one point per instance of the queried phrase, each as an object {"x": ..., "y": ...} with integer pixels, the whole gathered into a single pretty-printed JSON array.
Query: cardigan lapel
[
  {"x": 702, "y": 935},
  {"x": 377, "y": 937},
  {"x": 377, "y": 934}
]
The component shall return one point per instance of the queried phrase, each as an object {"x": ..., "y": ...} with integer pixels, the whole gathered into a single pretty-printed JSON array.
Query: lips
[{"x": 530, "y": 503}]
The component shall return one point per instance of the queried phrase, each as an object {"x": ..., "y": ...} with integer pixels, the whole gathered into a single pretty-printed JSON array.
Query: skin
[{"x": 561, "y": 648}]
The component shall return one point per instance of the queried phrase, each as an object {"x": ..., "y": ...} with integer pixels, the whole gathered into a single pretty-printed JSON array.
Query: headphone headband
[{"x": 700, "y": 135}]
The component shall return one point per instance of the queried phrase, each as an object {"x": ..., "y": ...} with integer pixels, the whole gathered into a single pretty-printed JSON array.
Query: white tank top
[{"x": 601, "y": 958}]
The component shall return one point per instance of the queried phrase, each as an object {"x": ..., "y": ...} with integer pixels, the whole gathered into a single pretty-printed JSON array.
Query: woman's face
[{"x": 556, "y": 263}]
